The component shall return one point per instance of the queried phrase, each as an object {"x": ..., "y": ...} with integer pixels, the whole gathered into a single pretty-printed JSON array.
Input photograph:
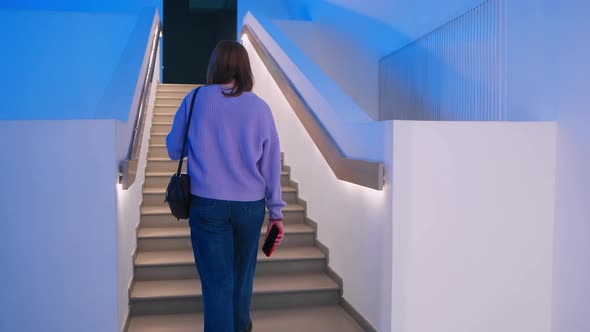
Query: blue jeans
[{"x": 225, "y": 237}]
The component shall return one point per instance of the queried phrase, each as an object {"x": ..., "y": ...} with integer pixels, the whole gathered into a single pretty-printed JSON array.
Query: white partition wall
[
  {"x": 473, "y": 226},
  {"x": 57, "y": 217}
]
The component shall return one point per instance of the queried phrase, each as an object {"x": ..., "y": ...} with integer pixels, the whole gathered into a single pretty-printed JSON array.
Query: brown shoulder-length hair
[{"x": 229, "y": 61}]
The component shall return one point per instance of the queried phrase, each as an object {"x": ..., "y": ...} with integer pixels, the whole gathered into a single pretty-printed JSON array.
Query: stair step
[
  {"x": 173, "y": 94},
  {"x": 164, "y": 110},
  {"x": 183, "y": 296},
  {"x": 156, "y": 174},
  {"x": 167, "y": 103},
  {"x": 163, "y": 165},
  {"x": 161, "y": 127},
  {"x": 176, "y": 237},
  {"x": 160, "y": 179},
  {"x": 180, "y": 264},
  {"x": 164, "y": 116},
  {"x": 177, "y": 87},
  {"x": 157, "y": 216},
  {"x": 159, "y": 139},
  {"x": 163, "y": 210},
  {"x": 330, "y": 318},
  {"x": 184, "y": 231},
  {"x": 155, "y": 195},
  {"x": 183, "y": 257},
  {"x": 163, "y": 155}
]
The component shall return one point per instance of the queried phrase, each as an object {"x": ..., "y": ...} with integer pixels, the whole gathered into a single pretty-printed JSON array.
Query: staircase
[{"x": 292, "y": 289}]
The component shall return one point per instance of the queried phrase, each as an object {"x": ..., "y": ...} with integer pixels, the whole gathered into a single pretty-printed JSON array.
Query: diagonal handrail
[
  {"x": 365, "y": 173},
  {"x": 128, "y": 169}
]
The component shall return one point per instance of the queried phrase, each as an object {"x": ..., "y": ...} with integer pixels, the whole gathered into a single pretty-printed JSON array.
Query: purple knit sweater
[{"x": 233, "y": 148}]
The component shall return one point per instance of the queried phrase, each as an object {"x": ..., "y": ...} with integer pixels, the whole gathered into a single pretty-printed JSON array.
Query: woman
[{"x": 234, "y": 165}]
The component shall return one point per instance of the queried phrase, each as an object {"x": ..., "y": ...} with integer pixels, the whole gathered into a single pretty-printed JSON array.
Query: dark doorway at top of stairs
[{"x": 191, "y": 31}]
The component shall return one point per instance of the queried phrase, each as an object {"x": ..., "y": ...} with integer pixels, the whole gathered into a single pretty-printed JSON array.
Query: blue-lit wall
[
  {"x": 487, "y": 63},
  {"x": 82, "y": 5},
  {"x": 72, "y": 59},
  {"x": 380, "y": 25},
  {"x": 62, "y": 65}
]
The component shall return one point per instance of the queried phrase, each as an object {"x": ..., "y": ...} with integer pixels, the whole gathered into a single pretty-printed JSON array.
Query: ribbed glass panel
[{"x": 456, "y": 72}]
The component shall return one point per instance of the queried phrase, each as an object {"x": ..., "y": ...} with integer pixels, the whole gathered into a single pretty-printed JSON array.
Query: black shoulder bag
[{"x": 178, "y": 193}]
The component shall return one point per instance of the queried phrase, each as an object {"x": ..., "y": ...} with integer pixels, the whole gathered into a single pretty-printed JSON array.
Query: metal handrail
[
  {"x": 128, "y": 168},
  {"x": 364, "y": 173}
]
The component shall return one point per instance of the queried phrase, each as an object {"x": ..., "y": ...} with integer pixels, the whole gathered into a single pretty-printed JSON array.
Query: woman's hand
[{"x": 279, "y": 224}]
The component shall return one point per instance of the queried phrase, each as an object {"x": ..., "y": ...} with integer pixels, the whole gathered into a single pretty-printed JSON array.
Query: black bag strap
[{"x": 188, "y": 124}]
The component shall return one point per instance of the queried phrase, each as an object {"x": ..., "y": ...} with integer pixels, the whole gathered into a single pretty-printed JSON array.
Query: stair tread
[
  {"x": 184, "y": 231},
  {"x": 169, "y": 174},
  {"x": 173, "y": 90},
  {"x": 160, "y": 159},
  {"x": 162, "y": 190},
  {"x": 155, "y": 289},
  {"x": 163, "y": 209},
  {"x": 178, "y": 85},
  {"x": 310, "y": 319},
  {"x": 183, "y": 257},
  {"x": 164, "y": 145}
]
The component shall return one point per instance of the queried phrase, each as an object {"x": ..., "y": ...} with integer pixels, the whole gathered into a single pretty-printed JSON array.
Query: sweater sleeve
[
  {"x": 270, "y": 168},
  {"x": 175, "y": 138}
]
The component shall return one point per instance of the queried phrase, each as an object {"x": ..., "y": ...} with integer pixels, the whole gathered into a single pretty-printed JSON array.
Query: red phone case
[
  {"x": 272, "y": 250},
  {"x": 271, "y": 239}
]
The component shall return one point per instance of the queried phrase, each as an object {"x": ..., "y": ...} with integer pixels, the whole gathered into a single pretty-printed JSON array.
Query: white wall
[
  {"x": 58, "y": 208},
  {"x": 473, "y": 226},
  {"x": 128, "y": 205},
  {"x": 569, "y": 82},
  {"x": 354, "y": 222}
]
